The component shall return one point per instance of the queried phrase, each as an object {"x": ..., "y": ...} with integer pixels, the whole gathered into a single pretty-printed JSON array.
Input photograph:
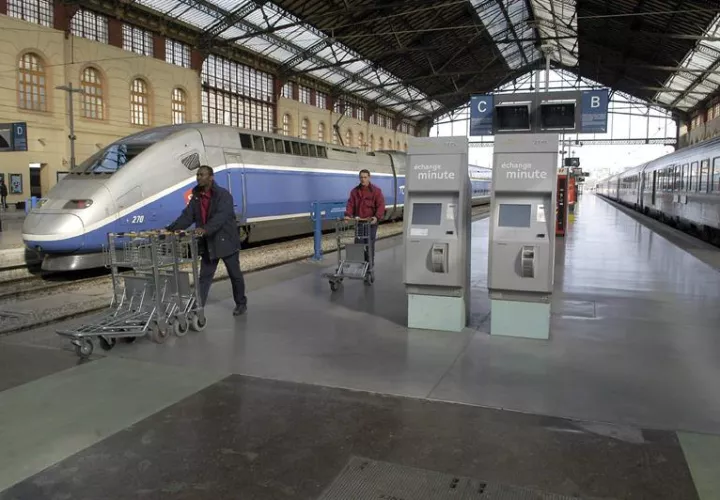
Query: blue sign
[
  {"x": 19, "y": 134},
  {"x": 594, "y": 111},
  {"x": 482, "y": 108}
]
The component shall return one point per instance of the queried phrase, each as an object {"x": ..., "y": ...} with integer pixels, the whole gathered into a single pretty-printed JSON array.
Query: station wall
[{"x": 62, "y": 60}]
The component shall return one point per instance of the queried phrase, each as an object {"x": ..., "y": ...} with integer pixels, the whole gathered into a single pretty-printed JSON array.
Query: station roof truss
[{"x": 424, "y": 58}]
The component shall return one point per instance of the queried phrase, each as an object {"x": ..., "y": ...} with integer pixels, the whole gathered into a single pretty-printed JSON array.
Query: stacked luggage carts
[
  {"x": 357, "y": 261},
  {"x": 153, "y": 297}
]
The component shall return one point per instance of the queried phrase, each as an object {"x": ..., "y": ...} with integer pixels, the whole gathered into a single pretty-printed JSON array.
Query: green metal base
[
  {"x": 520, "y": 319},
  {"x": 431, "y": 312}
]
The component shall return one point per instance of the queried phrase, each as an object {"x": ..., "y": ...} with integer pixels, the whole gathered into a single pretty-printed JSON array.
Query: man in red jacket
[{"x": 366, "y": 201}]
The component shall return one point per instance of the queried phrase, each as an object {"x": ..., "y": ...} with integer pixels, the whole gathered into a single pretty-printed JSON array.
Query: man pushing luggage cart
[{"x": 365, "y": 206}]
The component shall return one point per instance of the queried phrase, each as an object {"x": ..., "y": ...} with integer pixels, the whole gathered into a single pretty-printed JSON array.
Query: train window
[
  {"x": 246, "y": 141},
  {"x": 258, "y": 143},
  {"x": 279, "y": 146},
  {"x": 322, "y": 152},
  {"x": 304, "y": 149},
  {"x": 693, "y": 176},
  {"x": 112, "y": 158},
  {"x": 269, "y": 145},
  {"x": 191, "y": 161},
  {"x": 716, "y": 174},
  {"x": 677, "y": 178},
  {"x": 288, "y": 147},
  {"x": 704, "y": 174},
  {"x": 313, "y": 150},
  {"x": 686, "y": 180}
]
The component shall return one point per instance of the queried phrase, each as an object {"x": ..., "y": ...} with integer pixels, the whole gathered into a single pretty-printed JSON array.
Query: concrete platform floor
[
  {"x": 11, "y": 235},
  {"x": 633, "y": 358}
]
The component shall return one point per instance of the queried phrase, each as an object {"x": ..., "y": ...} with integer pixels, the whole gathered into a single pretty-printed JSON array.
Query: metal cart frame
[
  {"x": 358, "y": 261},
  {"x": 155, "y": 298}
]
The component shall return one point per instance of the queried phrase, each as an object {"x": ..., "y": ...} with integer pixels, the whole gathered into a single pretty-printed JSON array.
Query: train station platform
[{"x": 313, "y": 393}]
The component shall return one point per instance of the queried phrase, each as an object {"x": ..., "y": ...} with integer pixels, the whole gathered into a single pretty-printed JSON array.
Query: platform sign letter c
[{"x": 482, "y": 106}]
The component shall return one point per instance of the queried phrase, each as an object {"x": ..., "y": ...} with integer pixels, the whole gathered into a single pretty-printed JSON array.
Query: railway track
[{"x": 16, "y": 291}]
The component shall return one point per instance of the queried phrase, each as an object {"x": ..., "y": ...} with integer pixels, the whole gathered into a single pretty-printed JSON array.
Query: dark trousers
[
  {"x": 232, "y": 264},
  {"x": 3, "y": 201},
  {"x": 373, "y": 237}
]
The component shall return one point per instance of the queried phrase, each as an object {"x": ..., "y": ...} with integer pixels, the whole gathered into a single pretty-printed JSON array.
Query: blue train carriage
[
  {"x": 481, "y": 181},
  {"x": 143, "y": 181}
]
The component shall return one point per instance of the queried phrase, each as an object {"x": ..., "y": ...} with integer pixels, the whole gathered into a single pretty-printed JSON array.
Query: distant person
[
  {"x": 366, "y": 201},
  {"x": 211, "y": 209},
  {"x": 3, "y": 194}
]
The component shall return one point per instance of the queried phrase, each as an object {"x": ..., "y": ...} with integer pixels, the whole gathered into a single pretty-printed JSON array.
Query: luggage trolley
[
  {"x": 358, "y": 263},
  {"x": 154, "y": 298}
]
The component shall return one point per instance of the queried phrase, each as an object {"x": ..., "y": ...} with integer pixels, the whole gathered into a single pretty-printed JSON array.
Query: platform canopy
[{"x": 423, "y": 58}]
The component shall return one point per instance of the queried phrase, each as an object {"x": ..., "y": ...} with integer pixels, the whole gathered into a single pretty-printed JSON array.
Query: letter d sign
[{"x": 595, "y": 101}]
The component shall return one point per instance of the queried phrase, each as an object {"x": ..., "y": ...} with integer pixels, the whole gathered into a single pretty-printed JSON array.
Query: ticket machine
[{"x": 437, "y": 233}]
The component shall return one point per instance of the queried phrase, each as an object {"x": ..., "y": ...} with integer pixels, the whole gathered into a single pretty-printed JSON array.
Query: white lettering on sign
[
  {"x": 522, "y": 171},
  {"x": 482, "y": 106},
  {"x": 595, "y": 101},
  {"x": 432, "y": 172}
]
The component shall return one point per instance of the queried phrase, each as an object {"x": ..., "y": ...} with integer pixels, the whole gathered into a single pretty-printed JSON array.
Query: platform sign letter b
[{"x": 594, "y": 107}]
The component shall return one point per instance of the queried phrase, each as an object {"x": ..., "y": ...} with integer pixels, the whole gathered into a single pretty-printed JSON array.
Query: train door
[
  {"x": 235, "y": 183},
  {"x": 654, "y": 187}
]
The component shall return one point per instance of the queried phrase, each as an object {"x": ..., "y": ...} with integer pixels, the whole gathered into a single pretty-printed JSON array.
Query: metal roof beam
[
  {"x": 512, "y": 28},
  {"x": 213, "y": 10}
]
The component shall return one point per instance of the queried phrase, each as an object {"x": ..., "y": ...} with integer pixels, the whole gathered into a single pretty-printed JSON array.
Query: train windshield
[
  {"x": 116, "y": 155},
  {"x": 111, "y": 159}
]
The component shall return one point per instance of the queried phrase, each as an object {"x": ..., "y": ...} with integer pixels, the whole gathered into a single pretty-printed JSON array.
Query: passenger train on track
[
  {"x": 143, "y": 182},
  {"x": 681, "y": 189}
]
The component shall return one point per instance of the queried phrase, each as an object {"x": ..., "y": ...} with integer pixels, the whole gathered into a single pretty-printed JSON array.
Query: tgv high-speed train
[
  {"x": 681, "y": 188},
  {"x": 143, "y": 181}
]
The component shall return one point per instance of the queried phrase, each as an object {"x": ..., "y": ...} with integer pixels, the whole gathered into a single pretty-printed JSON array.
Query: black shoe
[{"x": 239, "y": 310}]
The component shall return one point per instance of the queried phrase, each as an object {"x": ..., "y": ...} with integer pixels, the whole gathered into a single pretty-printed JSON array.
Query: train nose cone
[{"x": 47, "y": 232}]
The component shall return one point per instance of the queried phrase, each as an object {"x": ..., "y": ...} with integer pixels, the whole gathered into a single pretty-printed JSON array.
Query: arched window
[
  {"x": 305, "y": 128},
  {"x": 372, "y": 142},
  {"x": 348, "y": 138},
  {"x": 390, "y": 144},
  {"x": 406, "y": 146},
  {"x": 139, "y": 103},
  {"x": 92, "y": 94},
  {"x": 382, "y": 143},
  {"x": 286, "y": 124},
  {"x": 361, "y": 140},
  {"x": 179, "y": 106},
  {"x": 32, "y": 84},
  {"x": 321, "y": 132}
]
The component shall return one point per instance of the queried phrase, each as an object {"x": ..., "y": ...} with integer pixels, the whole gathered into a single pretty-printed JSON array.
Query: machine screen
[
  {"x": 426, "y": 214},
  {"x": 514, "y": 215}
]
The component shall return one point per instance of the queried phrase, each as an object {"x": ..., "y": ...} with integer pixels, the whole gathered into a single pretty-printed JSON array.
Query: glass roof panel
[{"x": 702, "y": 56}]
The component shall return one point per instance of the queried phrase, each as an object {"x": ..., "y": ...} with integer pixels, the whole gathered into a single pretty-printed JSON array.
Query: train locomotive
[
  {"x": 682, "y": 189},
  {"x": 143, "y": 182}
]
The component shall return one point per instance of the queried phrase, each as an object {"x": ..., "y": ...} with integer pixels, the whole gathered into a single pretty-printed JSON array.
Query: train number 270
[{"x": 137, "y": 219}]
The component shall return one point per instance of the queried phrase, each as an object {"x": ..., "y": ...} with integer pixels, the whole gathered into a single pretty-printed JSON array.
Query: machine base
[
  {"x": 433, "y": 312},
  {"x": 520, "y": 319}
]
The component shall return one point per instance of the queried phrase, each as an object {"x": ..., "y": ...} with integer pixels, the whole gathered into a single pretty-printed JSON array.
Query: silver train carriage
[{"x": 681, "y": 189}]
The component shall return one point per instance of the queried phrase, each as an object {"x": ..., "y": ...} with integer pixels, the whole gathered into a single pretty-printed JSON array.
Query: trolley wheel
[
  {"x": 84, "y": 349},
  {"x": 334, "y": 286},
  {"x": 198, "y": 324},
  {"x": 369, "y": 278},
  {"x": 158, "y": 334},
  {"x": 107, "y": 344},
  {"x": 129, "y": 340},
  {"x": 180, "y": 326}
]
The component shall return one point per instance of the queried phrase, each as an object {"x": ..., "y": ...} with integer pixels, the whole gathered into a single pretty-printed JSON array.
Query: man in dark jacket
[
  {"x": 3, "y": 194},
  {"x": 366, "y": 201},
  {"x": 211, "y": 209}
]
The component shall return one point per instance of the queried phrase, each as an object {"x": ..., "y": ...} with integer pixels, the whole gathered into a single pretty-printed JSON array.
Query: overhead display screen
[
  {"x": 557, "y": 115},
  {"x": 513, "y": 117}
]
